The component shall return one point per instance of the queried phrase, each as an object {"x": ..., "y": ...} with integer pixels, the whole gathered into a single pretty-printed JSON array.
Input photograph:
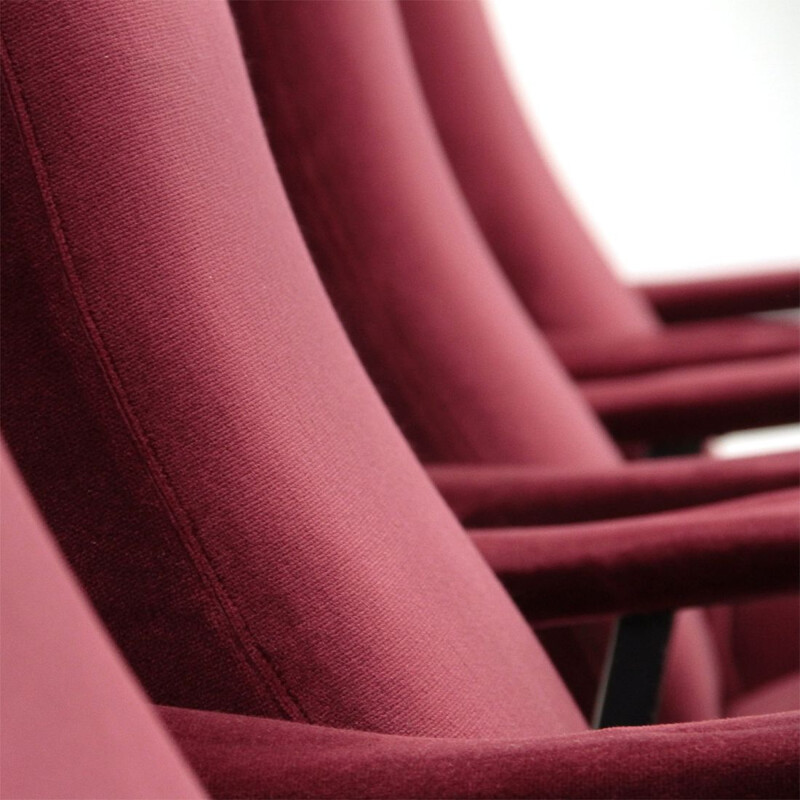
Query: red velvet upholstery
[
  {"x": 74, "y": 721},
  {"x": 757, "y": 628},
  {"x": 753, "y": 757},
  {"x": 547, "y": 254},
  {"x": 451, "y": 350},
  {"x": 219, "y": 471},
  {"x": 775, "y": 696},
  {"x": 487, "y": 495},
  {"x": 192, "y": 420},
  {"x": 563, "y": 279},
  {"x": 721, "y": 297},
  {"x": 735, "y": 549},
  {"x": 676, "y": 346},
  {"x": 557, "y": 271},
  {"x": 78, "y": 726},
  {"x": 698, "y": 401},
  {"x": 454, "y": 356}
]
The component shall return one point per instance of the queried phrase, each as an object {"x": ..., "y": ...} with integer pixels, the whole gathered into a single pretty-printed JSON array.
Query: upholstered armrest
[
  {"x": 679, "y": 345},
  {"x": 722, "y": 297},
  {"x": 253, "y": 757},
  {"x": 723, "y": 552},
  {"x": 484, "y": 495},
  {"x": 695, "y": 402}
]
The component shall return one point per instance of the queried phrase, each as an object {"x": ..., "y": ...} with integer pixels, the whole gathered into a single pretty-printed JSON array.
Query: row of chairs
[{"x": 345, "y": 430}]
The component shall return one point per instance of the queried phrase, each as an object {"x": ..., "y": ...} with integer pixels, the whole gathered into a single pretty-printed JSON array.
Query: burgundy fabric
[
  {"x": 163, "y": 322},
  {"x": 775, "y": 696},
  {"x": 462, "y": 368},
  {"x": 74, "y": 722},
  {"x": 730, "y": 550},
  {"x": 486, "y": 495},
  {"x": 679, "y": 345},
  {"x": 558, "y": 272},
  {"x": 245, "y": 757},
  {"x": 192, "y": 420},
  {"x": 720, "y": 297},
  {"x": 699, "y": 401},
  {"x": 768, "y": 629},
  {"x": 691, "y": 691},
  {"x": 450, "y": 348}
]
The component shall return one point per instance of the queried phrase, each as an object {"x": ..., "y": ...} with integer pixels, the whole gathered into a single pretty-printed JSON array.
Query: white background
[{"x": 674, "y": 124}]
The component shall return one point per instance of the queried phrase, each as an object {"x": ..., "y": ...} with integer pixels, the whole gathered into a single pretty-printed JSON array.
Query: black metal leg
[
  {"x": 630, "y": 690},
  {"x": 681, "y": 447}
]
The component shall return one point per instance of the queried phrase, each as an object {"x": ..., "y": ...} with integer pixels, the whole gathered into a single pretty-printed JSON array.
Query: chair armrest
[
  {"x": 483, "y": 495},
  {"x": 679, "y": 345},
  {"x": 723, "y": 552},
  {"x": 695, "y": 402},
  {"x": 252, "y": 757},
  {"x": 722, "y": 297}
]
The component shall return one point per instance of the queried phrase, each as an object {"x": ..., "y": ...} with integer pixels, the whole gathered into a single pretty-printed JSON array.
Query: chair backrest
[
  {"x": 455, "y": 356},
  {"x": 453, "y": 352},
  {"x": 191, "y": 419},
  {"x": 74, "y": 721},
  {"x": 545, "y": 250}
]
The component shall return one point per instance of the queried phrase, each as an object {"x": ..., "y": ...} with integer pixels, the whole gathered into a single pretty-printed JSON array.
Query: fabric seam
[{"x": 187, "y": 531}]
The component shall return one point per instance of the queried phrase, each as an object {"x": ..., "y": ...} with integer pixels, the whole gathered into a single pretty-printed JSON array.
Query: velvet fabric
[
  {"x": 75, "y": 723},
  {"x": 753, "y": 628},
  {"x": 51, "y": 747},
  {"x": 189, "y": 415},
  {"x": 555, "y": 268},
  {"x": 245, "y": 757},
  {"x": 722, "y": 297},
  {"x": 736, "y": 549},
  {"x": 774, "y": 696},
  {"x": 486, "y": 495},
  {"x": 698, "y": 401},
  {"x": 452, "y": 352},
  {"x": 217, "y": 468},
  {"x": 80, "y": 727},
  {"x": 557, "y": 271},
  {"x": 684, "y": 344}
]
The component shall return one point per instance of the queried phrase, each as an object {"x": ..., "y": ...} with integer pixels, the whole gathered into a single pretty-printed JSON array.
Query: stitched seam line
[{"x": 251, "y": 653}]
